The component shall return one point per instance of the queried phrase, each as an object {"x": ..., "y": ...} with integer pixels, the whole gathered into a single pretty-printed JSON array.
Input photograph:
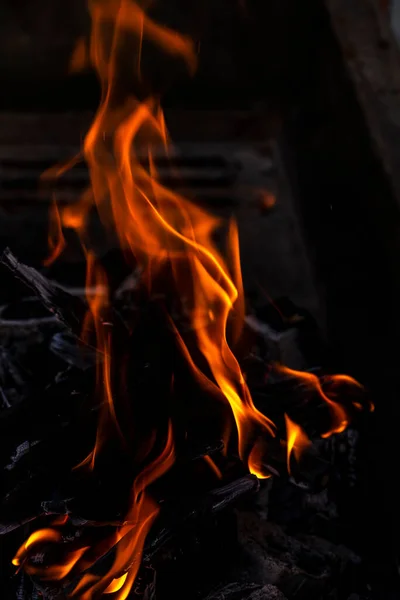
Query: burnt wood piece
[
  {"x": 21, "y": 327},
  {"x": 45, "y": 436},
  {"x": 212, "y": 503},
  {"x": 67, "y": 348},
  {"x": 69, "y": 309},
  {"x": 301, "y": 565},
  {"x": 234, "y": 591}
]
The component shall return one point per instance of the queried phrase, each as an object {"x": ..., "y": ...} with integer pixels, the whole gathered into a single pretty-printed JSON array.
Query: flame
[
  {"x": 216, "y": 470},
  {"x": 38, "y": 537},
  {"x": 256, "y": 460},
  {"x": 161, "y": 232},
  {"x": 73, "y": 219},
  {"x": 159, "y": 226},
  {"x": 80, "y": 59},
  {"x": 340, "y": 419},
  {"x": 56, "y": 240},
  {"x": 267, "y": 200},
  {"x": 129, "y": 16},
  {"x": 128, "y": 541},
  {"x": 60, "y": 520},
  {"x": 233, "y": 249},
  {"x": 52, "y": 572},
  {"x": 297, "y": 440},
  {"x": 98, "y": 303},
  {"x": 58, "y": 571},
  {"x": 116, "y": 584}
]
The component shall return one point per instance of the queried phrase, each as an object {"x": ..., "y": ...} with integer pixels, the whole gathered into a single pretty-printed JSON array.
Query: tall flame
[
  {"x": 162, "y": 231},
  {"x": 159, "y": 226}
]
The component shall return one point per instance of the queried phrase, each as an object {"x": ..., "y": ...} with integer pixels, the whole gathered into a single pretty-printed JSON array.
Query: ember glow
[{"x": 158, "y": 229}]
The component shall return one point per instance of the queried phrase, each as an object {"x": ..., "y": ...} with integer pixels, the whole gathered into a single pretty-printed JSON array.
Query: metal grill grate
[{"x": 208, "y": 172}]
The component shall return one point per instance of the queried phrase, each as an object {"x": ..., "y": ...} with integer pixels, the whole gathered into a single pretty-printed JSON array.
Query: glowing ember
[{"x": 157, "y": 229}]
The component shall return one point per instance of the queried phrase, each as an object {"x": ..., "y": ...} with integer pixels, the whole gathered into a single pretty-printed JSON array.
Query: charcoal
[
  {"x": 194, "y": 516},
  {"x": 234, "y": 591},
  {"x": 300, "y": 566},
  {"x": 214, "y": 502},
  {"x": 19, "y": 328},
  {"x": 66, "y": 347},
  {"x": 25, "y": 590},
  {"x": 208, "y": 449},
  {"x": 282, "y": 345},
  {"x": 279, "y": 544},
  {"x": 267, "y": 592},
  {"x": 69, "y": 309}
]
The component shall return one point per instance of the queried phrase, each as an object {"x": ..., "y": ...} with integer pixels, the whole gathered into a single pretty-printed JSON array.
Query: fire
[
  {"x": 40, "y": 536},
  {"x": 56, "y": 240},
  {"x": 339, "y": 416},
  {"x": 297, "y": 441},
  {"x": 158, "y": 230},
  {"x": 130, "y": 538},
  {"x": 116, "y": 584},
  {"x": 216, "y": 470},
  {"x": 127, "y": 541}
]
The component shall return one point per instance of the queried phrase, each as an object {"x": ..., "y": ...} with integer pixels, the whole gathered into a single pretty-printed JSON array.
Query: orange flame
[
  {"x": 98, "y": 303},
  {"x": 158, "y": 225},
  {"x": 297, "y": 440},
  {"x": 52, "y": 572},
  {"x": 80, "y": 59},
  {"x": 116, "y": 584},
  {"x": 216, "y": 470},
  {"x": 40, "y": 536},
  {"x": 56, "y": 238},
  {"x": 338, "y": 413},
  {"x": 58, "y": 571},
  {"x": 162, "y": 231},
  {"x": 129, "y": 539}
]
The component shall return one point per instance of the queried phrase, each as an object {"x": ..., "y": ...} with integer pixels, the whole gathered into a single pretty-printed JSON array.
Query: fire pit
[{"x": 188, "y": 434}]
